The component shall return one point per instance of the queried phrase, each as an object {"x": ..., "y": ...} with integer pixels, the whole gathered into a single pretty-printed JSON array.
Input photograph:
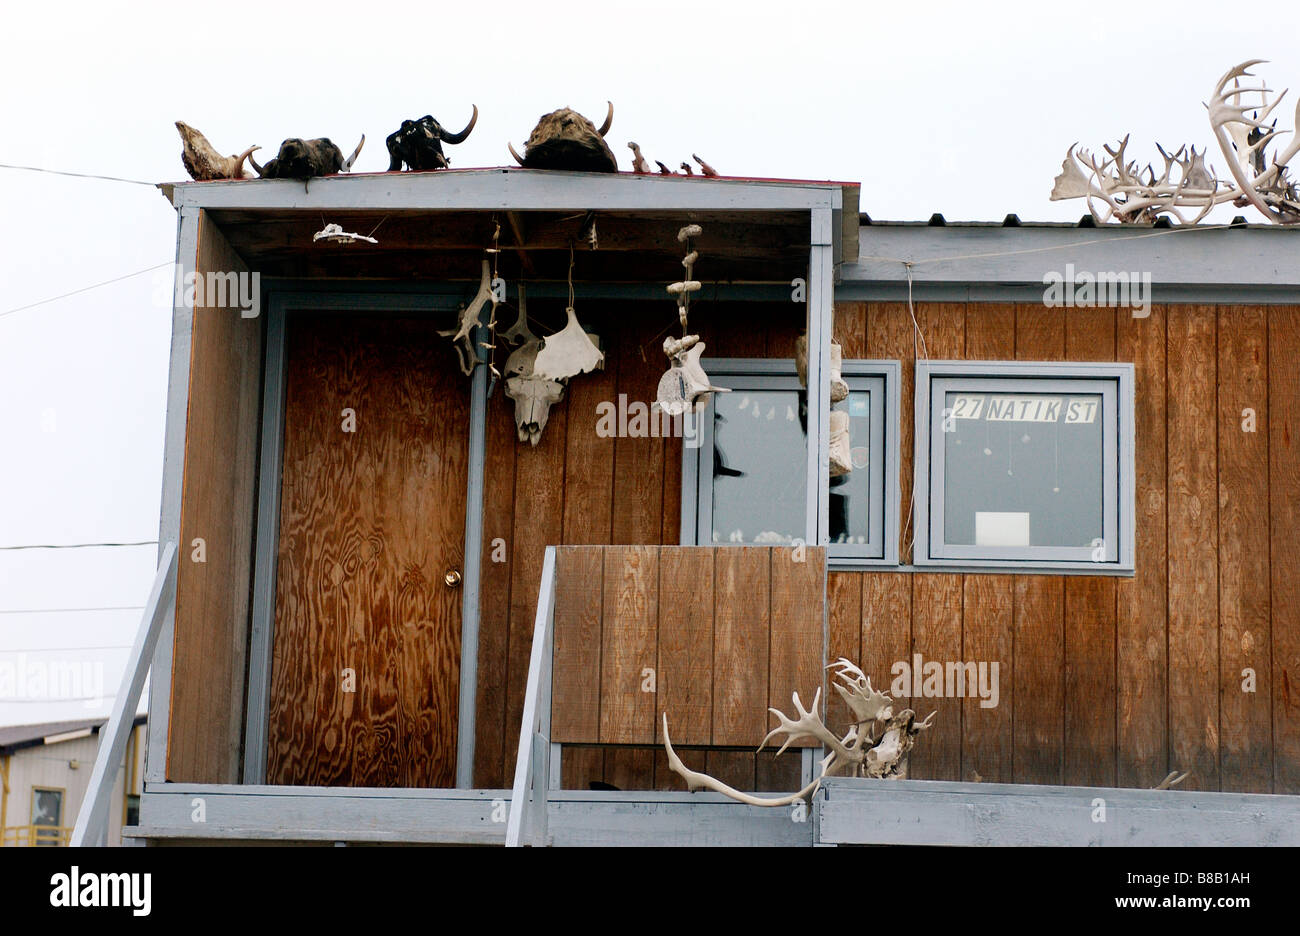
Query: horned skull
[
  {"x": 306, "y": 159},
  {"x": 564, "y": 139},
  {"x": 533, "y": 395},
  {"x": 418, "y": 143},
  {"x": 203, "y": 162}
]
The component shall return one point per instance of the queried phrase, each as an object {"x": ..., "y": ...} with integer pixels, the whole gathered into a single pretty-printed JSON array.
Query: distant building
[{"x": 44, "y": 771}]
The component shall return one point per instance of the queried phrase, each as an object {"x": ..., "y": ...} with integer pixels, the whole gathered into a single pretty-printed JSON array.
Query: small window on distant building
[
  {"x": 749, "y": 474},
  {"x": 47, "y": 816},
  {"x": 1025, "y": 464},
  {"x": 132, "y": 809}
]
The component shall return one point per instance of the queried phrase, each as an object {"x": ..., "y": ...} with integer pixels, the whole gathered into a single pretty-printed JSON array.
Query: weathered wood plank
[
  {"x": 775, "y": 774},
  {"x": 589, "y": 456},
  {"x": 1245, "y": 634},
  {"x": 1141, "y": 734},
  {"x": 538, "y": 522},
  {"x": 851, "y": 330},
  {"x": 575, "y": 692},
  {"x": 890, "y": 336},
  {"x": 1193, "y": 546},
  {"x": 630, "y": 768},
  {"x": 734, "y": 768},
  {"x": 886, "y": 626},
  {"x": 987, "y": 632},
  {"x": 580, "y": 765},
  {"x": 638, "y": 461},
  {"x": 1089, "y": 641},
  {"x": 217, "y": 504},
  {"x": 741, "y": 634},
  {"x": 936, "y": 637},
  {"x": 844, "y": 614},
  {"x": 988, "y": 600},
  {"x": 685, "y": 668},
  {"x": 1284, "y": 535},
  {"x": 665, "y": 777},
  {"x": 629, "y": 637},
  {"x": 496, "y": 567},
  {"x": 798, "y": 629},
  {"x": 1038, "y": 700}
]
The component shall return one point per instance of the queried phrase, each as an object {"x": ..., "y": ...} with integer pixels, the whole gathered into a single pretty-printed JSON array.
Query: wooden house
[{"x": 1068, "y": 526}]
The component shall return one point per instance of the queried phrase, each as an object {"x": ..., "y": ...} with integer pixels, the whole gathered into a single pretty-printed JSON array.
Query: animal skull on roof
[
  {"x": 204, "y": 163},
  {"x": 418, "y": 143},
  {"x": 564, "y": 139},
  {"x": 306, "y": 159}
]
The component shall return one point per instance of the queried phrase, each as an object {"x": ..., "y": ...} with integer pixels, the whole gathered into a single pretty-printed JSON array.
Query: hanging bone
[
  {"x": 533, "y": 395},
  {"x": 204, "y": 163},
  {"x": 568, "y": 353},
  {"x": 417, "y": 144},
  {"x": 839, "y": 389},
  {"x": 564, "y": 139},
  {"x": 876, "y": 744},
  {"x": 469, "y": 317},
  {"x": 684, "y": 386}
]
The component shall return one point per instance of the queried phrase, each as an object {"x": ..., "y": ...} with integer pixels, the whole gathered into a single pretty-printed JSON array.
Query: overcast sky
[{"x": 961, "y": 108}]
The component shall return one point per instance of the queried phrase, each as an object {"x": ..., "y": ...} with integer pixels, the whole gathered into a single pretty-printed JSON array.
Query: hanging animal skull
[
  {"x": 684, "y": 386},
  {"x": 533, "y": 395},
  {"x": 568, "y": 353}
]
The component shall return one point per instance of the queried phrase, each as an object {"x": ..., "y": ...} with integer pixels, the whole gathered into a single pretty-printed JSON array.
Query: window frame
[
  {"x": 780, "y": 373},
  {"x": 1113, "y": 381}
]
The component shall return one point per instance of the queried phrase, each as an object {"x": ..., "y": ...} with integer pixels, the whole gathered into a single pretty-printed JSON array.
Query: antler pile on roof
[{"x": 1119, "y": 190}]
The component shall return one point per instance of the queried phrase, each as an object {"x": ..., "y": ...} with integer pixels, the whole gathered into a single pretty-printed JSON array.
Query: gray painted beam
[
  {"x": 169, "y": 522},
  {"x": 1209, "y": 256},
  {"x": 466, "y": 731},
  {"x": 671, "y": 819},
  {"x": 920, "y": 812},
  {"x": 511, "y": 189},
  {"x": 92, "y": 820}
]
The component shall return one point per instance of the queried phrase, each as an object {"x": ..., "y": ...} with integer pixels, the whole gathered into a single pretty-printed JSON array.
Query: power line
[
  {"x": 76, "y": 292},
  {"x": 58, "y": 701},
  {"x": 79, "y": 545},
  {"x": 69, "y": 610},
  {"x": 79, "y": 175},
  {"x": 66, "y": 649}
]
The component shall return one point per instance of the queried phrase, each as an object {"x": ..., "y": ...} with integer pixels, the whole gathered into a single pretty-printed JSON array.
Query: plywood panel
[
  {"x": 370, "y": 521},
  {"x": 741, "y": 626},
  {"x": 575, "y": 693},
  {"x": 936, "y": 638},
  {"x": 1284, "y": 534},
  {"x": 629, "y": 635},
  {"x": 798, "y": 630},
  {"x": 1141, "y": 736},
  {"x": 851, "y": 330},
  {"x": 1245, "y": 635},
  {"x": 1089, "y": 636},
  {"x": 1193, "y": 542},
  {"x": 217, "y": 504},
  {"x": 685, "y": 670}
]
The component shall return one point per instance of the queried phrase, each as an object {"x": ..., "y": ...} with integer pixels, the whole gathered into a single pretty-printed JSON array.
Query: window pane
[
  {"x": 759, "y": 465},
  {"x": 850, "y": 494},
  {"x": 1022, "y": 469}
]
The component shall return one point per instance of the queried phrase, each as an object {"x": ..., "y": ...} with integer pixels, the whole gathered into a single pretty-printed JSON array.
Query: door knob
[{"x": 452, "y": 578}]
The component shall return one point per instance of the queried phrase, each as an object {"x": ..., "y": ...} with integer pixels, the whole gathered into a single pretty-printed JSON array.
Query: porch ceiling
[{"x": 768, "y": 246}]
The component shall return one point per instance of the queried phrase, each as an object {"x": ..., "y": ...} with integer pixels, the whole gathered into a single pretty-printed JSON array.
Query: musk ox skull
[
  {"x": 533, "y": 395},
  {"x": 203, "y": 162},
  {"x": 306, "y": 159},
  {"x": 564, "y": 139},
  {"x": 418, "y": 143}
]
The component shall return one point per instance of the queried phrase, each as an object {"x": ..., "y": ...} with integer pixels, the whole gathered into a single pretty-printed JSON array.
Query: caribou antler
[
  {"x": 1268, "y": 191},
  {"x": 856, "y": 754}
]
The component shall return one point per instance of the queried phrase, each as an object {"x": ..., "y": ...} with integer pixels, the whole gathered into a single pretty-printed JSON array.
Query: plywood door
[{"x": 366, "y": 663}]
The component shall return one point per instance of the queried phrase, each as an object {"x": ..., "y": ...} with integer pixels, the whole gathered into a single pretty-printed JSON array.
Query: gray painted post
[
  {"x": 472, "y": 563},
  {"x": 92, "y": 820},
  {"x": 169, "y": 524}
]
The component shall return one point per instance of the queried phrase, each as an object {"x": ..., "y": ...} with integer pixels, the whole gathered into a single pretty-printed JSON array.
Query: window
[
  {"x": 746, "y": 476},
  {"x": 1021, "y": 464},
  {"x": 47, "y": 816}
]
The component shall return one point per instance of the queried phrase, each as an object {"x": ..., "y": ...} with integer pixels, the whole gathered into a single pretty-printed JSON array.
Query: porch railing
[
  {"x": 526, "y": 822},
  {"x": 92, "y": 820},
  {"x": 34, "y": 835}
]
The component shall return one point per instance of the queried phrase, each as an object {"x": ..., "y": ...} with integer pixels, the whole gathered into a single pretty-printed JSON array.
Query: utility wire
[
  {"x": 78, "y": 175},
  {"x": 68, "y": 610},
  {"x": 79, "y": 545},
  {"x": 65, "y": 649},
  {"x": 75, "y": 292}
]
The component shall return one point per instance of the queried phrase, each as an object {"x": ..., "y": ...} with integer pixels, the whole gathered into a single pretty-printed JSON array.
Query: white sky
[{"x": 963, "y": 108}]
